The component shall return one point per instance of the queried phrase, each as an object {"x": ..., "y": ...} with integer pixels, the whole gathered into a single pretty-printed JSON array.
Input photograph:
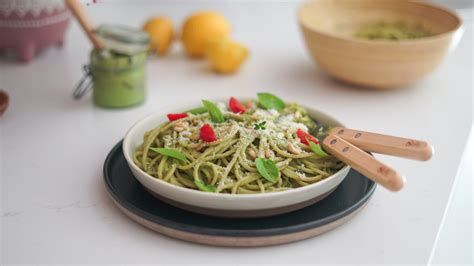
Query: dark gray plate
[{"x": 131, "y": 196}]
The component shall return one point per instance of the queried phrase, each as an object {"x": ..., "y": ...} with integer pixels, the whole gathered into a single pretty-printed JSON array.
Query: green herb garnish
[
  {"x": 260, "y": 125},
  {"x": 197, "y": 111},
  {"x": 170, "y": 153},
  {"x": 204, "y": 187},
  {"x": 270, "y": 101},
  {"x": 316, "y": 148},
  {"x": 267, "y": 168},
  {"x": 214, "y": 111}
]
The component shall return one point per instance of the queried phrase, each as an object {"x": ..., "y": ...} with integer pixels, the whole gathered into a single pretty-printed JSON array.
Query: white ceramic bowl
[{"x": 228, "y": 205}]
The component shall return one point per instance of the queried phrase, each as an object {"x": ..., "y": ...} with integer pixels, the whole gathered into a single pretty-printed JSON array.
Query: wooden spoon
[{"x": 81, "y": 15}]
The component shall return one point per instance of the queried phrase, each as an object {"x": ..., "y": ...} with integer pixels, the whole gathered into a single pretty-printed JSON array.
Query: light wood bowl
[{"x": 328, "y": 28}]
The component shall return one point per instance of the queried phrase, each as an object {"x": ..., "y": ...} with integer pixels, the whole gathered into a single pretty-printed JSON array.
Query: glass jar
[
  {"x": 116, "y": 73},
  {"x": 118, "y": 80}
]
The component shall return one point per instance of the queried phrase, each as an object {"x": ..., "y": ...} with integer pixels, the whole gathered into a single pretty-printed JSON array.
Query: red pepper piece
[
  {"x": 173, "y": 117},
  {"x": 236, "y": 106},
  {"x": 249, "y": 104},
  {"x": 305, "y": 137},
  {"x": 207, "y": 134}
]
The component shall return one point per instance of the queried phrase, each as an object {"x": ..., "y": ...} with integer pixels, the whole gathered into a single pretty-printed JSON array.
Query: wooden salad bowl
[
  {"x": 329, "y": 26},
  {"x": 4, "y": 101}
]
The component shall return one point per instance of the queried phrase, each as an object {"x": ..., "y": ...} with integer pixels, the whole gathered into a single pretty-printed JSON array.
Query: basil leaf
[
  {"x": 260, "y": 125},
  {"x": 267, "y": 169},
  {"x": 214, "y": 112},
  {"x": 197, "y": 110},
  {"x": 204, "y": 187},
  {"x": 316, "y": 148},
  {"x": 270, "y": 101},
  {"x": 170, "y": 153}
]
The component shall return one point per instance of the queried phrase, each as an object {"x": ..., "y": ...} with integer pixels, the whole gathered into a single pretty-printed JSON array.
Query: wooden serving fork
[
  {"x": 351, "y": 147},
  {"x": 385, "y": 144}
]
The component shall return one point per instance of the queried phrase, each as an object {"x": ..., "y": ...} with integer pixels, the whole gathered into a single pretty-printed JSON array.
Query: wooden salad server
[
  {"x": 385, "y": 144},
  {"x": 81, "y": 15},
  {"x": 363, "y": 162}
]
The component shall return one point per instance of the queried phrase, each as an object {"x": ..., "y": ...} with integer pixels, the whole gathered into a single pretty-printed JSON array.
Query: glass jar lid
[{"x": 123, "y": 39}]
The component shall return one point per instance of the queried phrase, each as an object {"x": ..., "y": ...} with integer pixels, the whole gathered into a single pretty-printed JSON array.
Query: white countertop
[{"x": 55, "y": 208}]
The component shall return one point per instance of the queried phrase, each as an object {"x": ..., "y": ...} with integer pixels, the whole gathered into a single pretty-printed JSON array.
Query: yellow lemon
[
  {"x": 161, "y": 33},
  {"x": 201, "y": 27},
  {"x": 225, "y": 56}
]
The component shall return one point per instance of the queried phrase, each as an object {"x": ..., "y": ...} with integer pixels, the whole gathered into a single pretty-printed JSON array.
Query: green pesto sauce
[
  {"x": 392, "y": 31},
  {"x": 119, "y": 80}
]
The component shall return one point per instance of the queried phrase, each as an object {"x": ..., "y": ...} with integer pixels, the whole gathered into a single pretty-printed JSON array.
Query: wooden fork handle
[
  {"x": 385, "y": 144},
  {"x": 363, "y": 162}
]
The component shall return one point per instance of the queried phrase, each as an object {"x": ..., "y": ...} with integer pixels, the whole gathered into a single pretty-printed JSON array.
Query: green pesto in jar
[
  {"x": 119, "y": 79},
  {"x": 392, "y": 31}
]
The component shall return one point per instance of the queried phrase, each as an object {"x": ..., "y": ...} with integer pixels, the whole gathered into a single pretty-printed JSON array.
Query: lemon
[
  {"x": 225, "y": 56},
  {"x": 199, "y": 28},
  {"x": 161, "y": 34}
]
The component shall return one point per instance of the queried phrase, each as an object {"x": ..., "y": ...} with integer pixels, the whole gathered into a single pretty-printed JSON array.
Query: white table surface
[
  {"x": 453, "y": 245},
  {"x": 55, "y": 208}
]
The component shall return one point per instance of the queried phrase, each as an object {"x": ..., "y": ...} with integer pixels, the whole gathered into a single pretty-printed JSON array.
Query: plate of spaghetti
[{"x": 235, "y": 157}]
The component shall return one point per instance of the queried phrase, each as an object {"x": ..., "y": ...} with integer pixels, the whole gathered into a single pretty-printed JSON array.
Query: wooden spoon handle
[
  {"x": 363, "y": 162},
  {"x": 385, "y": 144},
  {"x": 81, "y": 15}
]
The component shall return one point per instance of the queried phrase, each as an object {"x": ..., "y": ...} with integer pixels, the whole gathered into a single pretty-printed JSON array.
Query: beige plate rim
[{"x": 242, "y": 242}]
